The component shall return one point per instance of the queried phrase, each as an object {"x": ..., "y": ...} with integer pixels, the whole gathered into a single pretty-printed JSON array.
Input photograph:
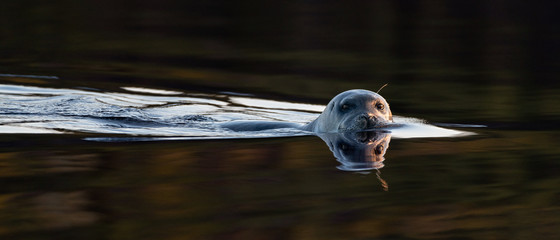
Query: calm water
[{"x": 126, "y": 97}]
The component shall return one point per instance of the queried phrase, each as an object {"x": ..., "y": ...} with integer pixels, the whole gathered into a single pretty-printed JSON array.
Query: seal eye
[
  {"x": 379, "y": 149},
  {"x": 344, "y": 107},
  {"x": 380, "y": 106}
]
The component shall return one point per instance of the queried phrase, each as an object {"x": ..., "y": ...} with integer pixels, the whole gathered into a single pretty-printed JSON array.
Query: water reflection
[{"x": 358, "y": 151}]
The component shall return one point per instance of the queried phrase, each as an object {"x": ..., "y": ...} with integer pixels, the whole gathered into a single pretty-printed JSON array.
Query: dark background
[{"x": 496, "y": 60}]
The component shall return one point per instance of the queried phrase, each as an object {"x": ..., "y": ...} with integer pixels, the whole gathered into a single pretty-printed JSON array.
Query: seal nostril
[
  {"x": 363, "y": 121},
  {"x": 362, "y": 137},
  {"x": 372, "y": 121}
]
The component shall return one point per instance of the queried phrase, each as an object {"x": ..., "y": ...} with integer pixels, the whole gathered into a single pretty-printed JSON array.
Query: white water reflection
[
  {"x": 151, "y": 91},
  {"x": 21, "y": 129},
  {"x": 271, "y": 104},
  {"x": 163, "y": 113},
  {"x": 417, "y": 128}
]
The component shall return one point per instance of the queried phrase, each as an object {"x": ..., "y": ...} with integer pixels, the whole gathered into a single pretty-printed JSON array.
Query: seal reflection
[{"x": 362, "y": 151}]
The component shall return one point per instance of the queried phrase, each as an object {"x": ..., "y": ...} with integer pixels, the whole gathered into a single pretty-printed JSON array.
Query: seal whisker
[{"x": 384, "y": 85}]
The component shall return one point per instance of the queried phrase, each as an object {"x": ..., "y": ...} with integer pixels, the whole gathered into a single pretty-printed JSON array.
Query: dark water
[{"x": 449, "y": 63}]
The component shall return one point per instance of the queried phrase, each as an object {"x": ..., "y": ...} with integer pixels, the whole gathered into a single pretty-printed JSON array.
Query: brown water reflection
[{"x": 276, "y": 189}]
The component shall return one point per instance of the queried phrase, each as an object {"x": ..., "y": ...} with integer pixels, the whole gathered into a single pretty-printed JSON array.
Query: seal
[{"x": 352, "y": 110}]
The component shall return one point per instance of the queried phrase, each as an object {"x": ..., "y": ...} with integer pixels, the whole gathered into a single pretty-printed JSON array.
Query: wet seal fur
[{"x": 352, "y": 110}]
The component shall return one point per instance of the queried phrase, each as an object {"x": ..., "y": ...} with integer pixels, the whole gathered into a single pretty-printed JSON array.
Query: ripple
[{"x": 151, "y": 90}]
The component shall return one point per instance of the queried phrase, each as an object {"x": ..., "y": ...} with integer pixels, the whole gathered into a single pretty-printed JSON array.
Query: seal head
[{"x": 352, "y": 110}]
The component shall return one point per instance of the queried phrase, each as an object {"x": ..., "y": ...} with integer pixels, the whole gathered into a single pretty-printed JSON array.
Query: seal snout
[{"x": 367, "y": 121}]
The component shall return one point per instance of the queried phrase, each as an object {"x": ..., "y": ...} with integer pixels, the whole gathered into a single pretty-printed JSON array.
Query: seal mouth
[{"x": 364, "y": 122}]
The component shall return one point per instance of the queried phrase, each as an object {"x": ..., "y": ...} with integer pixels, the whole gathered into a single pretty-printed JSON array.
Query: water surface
[{"x": 28, "y": 109}]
